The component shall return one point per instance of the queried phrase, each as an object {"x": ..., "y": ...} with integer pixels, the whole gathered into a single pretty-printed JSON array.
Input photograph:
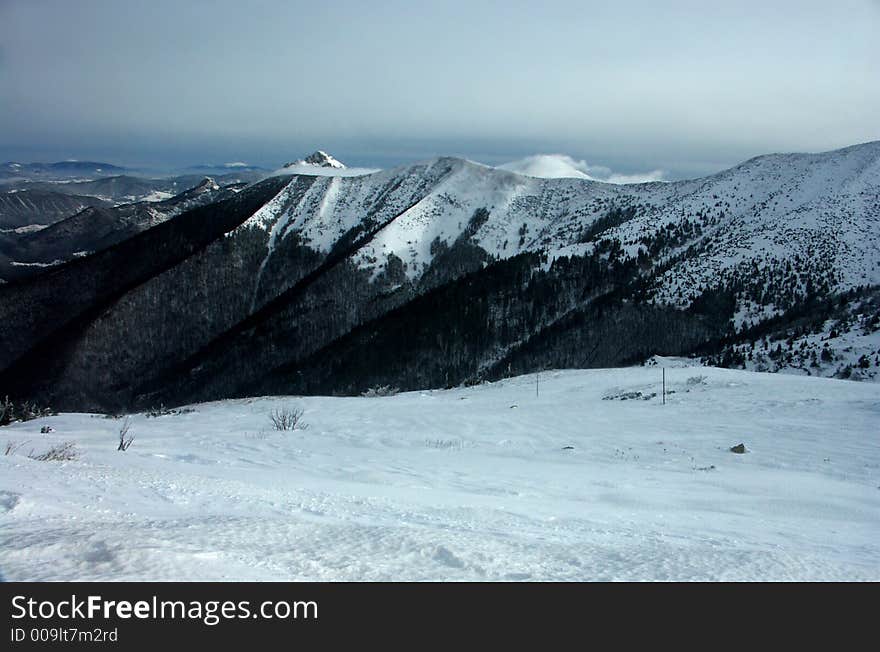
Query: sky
[{"x": 683, "y": 88}]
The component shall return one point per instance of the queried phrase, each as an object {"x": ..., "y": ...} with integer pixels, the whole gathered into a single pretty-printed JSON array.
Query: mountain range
[
  {"x": 97, "y": 227},
  {"x": 446, "y": 272}
]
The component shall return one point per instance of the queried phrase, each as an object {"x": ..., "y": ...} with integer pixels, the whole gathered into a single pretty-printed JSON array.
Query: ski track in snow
[{"x": 465, "y": 484}]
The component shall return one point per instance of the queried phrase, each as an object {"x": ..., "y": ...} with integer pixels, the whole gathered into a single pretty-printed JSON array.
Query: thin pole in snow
[
  {"x": 537, "y": 379},
  {"x": 664, "y": 385}
]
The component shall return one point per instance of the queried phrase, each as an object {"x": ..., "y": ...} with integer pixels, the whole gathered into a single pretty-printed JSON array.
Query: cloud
[
  {"x": 79, "y": 78},
  {"x": 645, "y": 177},
  {"x": 561, "y": 166}
]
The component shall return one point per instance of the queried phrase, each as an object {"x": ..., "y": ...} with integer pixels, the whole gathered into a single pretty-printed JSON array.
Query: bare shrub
[
  {"x": 380, "y": 390},
  {"x": 287, "y": 418},
  {"x": 63, "y": 452},
  {"x": 125, "y": 438},
  {"x": 12, "y": 447}
]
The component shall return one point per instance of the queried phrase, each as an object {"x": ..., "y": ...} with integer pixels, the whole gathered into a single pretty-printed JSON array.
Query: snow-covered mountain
[
  {"x": 801, "y": 215},
  {"x": 318, "y": 159},
  {"x": 449, "y": 271},
  {"x": 321, "y": 164}
]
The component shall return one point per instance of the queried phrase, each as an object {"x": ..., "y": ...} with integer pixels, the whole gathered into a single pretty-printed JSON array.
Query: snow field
[{"x": 467, "y": 484}]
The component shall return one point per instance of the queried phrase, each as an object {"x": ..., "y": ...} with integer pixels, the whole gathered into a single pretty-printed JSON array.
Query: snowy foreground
[{"x": 467, "y": 484}]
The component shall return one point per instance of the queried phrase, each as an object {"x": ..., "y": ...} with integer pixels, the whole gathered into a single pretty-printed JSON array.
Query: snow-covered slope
[
  {"x": 592, "y": 479},
  {"x": 843, "y": 342},
  {"x": 819, "y": 212}
]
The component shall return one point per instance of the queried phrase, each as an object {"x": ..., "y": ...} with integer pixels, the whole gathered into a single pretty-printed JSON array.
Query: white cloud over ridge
[{"x": 562, "y": 166}]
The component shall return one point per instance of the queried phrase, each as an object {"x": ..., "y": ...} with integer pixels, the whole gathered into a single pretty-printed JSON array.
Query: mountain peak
[
  {"x": 207, "y": 183},
  {"x": 319, "y": 159}
]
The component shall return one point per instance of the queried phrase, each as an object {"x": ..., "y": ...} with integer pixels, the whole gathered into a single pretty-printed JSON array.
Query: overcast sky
[{"x": 683, "y": 87}]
